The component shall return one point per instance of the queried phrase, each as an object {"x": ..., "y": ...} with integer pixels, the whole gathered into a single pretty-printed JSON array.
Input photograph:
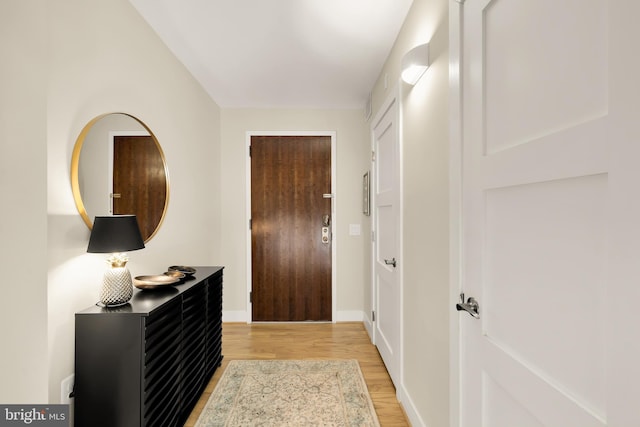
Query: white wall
[
  {"x": 425, "y": 381},
  {"x": 104, "y": 58},
  {"x": 23, "y": 186},
  {"x": 352, "y": 163}
]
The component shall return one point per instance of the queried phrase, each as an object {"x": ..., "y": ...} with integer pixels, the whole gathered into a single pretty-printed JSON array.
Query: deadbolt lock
[{"x": 325, "y": 235}]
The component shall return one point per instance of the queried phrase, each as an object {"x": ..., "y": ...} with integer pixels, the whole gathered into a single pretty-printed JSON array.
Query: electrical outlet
[{"x": 66, "y": 388}]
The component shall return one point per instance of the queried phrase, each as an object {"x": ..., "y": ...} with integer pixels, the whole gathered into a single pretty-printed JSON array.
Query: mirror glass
[{"x": 118, "y": 167}]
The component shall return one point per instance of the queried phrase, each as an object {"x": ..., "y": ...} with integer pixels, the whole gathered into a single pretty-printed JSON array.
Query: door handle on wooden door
[{"x": 111, "y": 197}]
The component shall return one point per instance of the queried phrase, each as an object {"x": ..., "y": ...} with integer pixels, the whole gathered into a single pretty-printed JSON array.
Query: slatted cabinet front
[{"x": 147, "y": 363}]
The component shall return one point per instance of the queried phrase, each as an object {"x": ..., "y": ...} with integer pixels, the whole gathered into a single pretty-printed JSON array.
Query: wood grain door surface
[
  {"x": 291, "y": 266},
  {"x": 139, "y": 178}
]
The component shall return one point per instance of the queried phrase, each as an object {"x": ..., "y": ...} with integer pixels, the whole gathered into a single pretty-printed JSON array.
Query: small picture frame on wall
[{"x": 366, "y": 205}]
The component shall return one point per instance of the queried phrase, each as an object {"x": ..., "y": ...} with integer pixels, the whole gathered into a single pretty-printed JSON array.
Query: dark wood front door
[
  {"x": 291, "y": 265},
  {"x": 139, "y": 181}
]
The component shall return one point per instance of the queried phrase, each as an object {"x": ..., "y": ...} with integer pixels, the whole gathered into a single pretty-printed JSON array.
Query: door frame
[
  {"x": 334, "y": 220},
  {"x": 456, "y": 285}
]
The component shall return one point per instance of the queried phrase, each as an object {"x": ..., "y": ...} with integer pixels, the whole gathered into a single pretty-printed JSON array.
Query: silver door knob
[
  {"x": 391, "y": 262},
  {"x": 471, "y": 306}
]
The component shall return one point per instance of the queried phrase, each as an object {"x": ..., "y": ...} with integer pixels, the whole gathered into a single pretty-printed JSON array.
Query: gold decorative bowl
[
  {"x": 188, "y": 271},
  {"x": 154, "y": 281},
  {"x": 175, "y": 274}
]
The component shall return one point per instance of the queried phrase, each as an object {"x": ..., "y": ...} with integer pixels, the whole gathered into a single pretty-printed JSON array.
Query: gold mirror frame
[{"x": 75, "y": 166}]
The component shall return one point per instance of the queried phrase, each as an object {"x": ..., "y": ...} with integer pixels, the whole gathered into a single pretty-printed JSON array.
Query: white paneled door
[
  {"x": 386, "y": 201},
  {"x": 549, "y": 204}
]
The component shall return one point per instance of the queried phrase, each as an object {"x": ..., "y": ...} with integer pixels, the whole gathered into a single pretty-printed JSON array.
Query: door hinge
[
  {"x": 373, "y": 156},
  {"x": 249, "y": 151},
  {"x": 373, "y": 316},
  {"x": 373, "y": 236},
  {"x": 251, "y": 297},
  {"x": 250, "y": 224}
]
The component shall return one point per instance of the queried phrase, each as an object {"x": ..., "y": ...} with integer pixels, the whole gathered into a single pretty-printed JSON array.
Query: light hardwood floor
[{"x": 310, "y": 341}]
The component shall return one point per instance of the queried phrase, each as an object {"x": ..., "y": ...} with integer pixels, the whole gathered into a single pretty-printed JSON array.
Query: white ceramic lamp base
[{"x": 117, "y": 288}]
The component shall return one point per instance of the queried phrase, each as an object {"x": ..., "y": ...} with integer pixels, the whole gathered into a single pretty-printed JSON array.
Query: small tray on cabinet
[{"x": 156, "y": 281}]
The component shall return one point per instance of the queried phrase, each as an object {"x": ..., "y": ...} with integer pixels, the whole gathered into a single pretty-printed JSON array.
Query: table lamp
[{"x": 115, "y": 235}]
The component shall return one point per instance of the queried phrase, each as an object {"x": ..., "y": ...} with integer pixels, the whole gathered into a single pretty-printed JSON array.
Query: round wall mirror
[{"x": 118, "y": 167}]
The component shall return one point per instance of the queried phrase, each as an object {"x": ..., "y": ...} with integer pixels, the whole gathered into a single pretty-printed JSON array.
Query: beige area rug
[{"x": 281, "y": 393}]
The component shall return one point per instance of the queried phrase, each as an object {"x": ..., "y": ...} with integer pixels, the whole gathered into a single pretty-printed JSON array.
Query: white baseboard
[
  {"x": 234, "y": 316},
  {"x": 341, "y": 316},
  {"x": 401, "y": 393},
  {"x": 409, "y": 407},
  {"x": 368, "y": 325},
  {"x": 349, "y": 316}
]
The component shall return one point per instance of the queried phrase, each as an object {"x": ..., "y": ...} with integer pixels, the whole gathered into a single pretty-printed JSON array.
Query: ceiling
[{"x": 280, "y": 53}]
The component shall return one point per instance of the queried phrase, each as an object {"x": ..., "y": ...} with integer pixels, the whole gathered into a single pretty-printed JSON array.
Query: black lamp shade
[{"x": 117, "y": 233}]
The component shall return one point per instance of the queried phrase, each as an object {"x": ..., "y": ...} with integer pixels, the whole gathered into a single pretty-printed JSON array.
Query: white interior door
[
  {"x": 549, "y": 213},
  {"x": 386, "y": 216}
]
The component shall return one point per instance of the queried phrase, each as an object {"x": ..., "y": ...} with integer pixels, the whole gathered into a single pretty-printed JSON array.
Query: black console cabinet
[{"x": 146, "y": 363}]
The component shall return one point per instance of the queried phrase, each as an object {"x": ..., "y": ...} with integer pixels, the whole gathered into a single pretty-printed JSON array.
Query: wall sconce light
[
  {"x": 415, "y": 63},
  {"x": 115, "y": 234}
]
